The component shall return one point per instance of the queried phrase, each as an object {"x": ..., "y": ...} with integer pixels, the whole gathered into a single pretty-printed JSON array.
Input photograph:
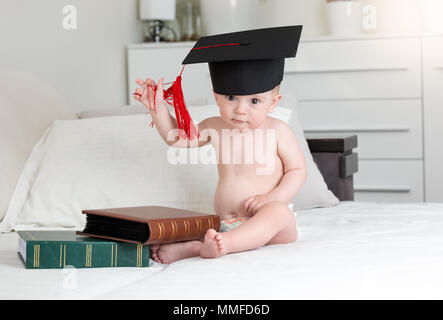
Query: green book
[{"x": 58, "y": 249}]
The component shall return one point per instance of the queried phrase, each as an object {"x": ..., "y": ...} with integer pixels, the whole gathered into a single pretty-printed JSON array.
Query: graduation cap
[
  {"x": 246, "y": 62},
  {"x": 240, "y": 63}
]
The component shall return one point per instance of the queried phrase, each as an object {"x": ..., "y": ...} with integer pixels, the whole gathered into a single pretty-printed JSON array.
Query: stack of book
[{"x": 116, "y": 237}]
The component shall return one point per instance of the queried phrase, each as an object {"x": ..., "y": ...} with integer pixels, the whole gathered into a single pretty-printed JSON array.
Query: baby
[{"x": 254, "y": 193}]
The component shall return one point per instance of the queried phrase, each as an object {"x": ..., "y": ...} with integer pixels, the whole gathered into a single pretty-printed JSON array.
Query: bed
[
  {"x": 351, "y": 251},
  {"x": 346, "y": 249}
]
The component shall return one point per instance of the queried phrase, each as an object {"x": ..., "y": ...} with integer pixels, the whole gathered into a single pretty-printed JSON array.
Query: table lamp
[{"x": 156, "y": 11}]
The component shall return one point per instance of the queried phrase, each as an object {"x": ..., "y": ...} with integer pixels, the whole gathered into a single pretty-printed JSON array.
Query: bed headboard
[{"x": 336, "y": 162}]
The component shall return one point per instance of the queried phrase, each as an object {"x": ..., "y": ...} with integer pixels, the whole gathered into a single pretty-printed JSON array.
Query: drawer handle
[
  {"x": 397, "y": 189},
  {"x": 439, "y": 68},
  {"x": 392, "y": 128},
  {"x": 342, "y": 70}
]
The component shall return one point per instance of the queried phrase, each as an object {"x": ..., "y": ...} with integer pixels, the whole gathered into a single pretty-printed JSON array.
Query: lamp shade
[{"x": 157, "y": 9}]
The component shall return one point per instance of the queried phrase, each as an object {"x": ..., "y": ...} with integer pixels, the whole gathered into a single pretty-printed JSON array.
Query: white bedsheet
[{"x": 352, "y": 251}]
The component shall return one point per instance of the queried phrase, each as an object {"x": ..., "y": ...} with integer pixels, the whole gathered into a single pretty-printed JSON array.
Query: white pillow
[
  {"x": 10, "y": 163},
  {"x": 314, "y": 193},
  {"x": 107, "y": 162}
]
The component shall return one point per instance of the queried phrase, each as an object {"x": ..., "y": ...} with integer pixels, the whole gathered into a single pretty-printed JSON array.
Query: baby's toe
[
  {"x": 219, "y": 239},
  {"x": 211, "y": 234},
  {"x": 154, "y": 248},
  {"x": 155, "y": 258}
]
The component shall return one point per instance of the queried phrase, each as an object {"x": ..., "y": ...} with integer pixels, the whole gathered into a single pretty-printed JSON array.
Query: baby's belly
[{"x": 232, "y": 193}]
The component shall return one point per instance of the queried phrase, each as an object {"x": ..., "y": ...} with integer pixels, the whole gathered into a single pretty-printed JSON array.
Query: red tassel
[{"x": 174, "y": 97}]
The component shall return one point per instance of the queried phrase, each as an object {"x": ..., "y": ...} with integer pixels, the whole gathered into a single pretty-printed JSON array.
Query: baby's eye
[
  {"x": 230, "y": 98},
  {"x": 255, "y": 101}
]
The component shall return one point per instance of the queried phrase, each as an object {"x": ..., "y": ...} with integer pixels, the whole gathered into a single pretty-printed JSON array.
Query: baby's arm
[
  {"x": 294, "y": 166},
  {"x": 165, "y": 123}
]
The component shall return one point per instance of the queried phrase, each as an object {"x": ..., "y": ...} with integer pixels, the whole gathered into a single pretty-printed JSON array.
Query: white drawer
[
  {"x": 386, "y": 129},
  {"x": 433, "y": 117},
  {"x": 157, "y": 62},
  {"x": 356, "y": 69},
  {"x": 389, "y": 181}
]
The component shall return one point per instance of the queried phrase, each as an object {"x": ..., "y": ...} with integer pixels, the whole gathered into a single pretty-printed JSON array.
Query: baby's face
[{"x": 246, "y": 112}]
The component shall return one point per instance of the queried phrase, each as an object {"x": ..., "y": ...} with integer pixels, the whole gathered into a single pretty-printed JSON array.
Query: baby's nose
[{"x": 241, "y": 108}]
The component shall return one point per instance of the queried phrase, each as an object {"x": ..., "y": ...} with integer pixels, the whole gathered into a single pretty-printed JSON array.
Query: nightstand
[{"x": 336, "y": 162}]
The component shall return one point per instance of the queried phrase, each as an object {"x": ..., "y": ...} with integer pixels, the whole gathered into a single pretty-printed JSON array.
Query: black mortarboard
[{"x": 246, "y": 62}]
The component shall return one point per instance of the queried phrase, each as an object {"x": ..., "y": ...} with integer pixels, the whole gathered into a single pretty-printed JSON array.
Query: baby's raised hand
[
  {"x": 254, "y": 203},
  {"x": 150, "y": 94}
]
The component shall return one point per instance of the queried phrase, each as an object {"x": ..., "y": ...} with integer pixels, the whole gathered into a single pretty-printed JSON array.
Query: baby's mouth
[{"x": 239, "y": 121}]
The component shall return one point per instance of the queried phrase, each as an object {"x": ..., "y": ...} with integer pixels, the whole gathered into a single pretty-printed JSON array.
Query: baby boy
[{"x": 253, "y": 192}]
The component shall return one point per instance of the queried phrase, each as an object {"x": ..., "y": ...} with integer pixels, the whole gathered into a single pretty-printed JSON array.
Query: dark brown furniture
[{"x": 336, "y": 162}]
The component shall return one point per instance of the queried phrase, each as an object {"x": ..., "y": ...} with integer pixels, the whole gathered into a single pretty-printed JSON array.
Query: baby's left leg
[
  {"x": 171, "y": 252},
  {"x": 274, "y": 223}
]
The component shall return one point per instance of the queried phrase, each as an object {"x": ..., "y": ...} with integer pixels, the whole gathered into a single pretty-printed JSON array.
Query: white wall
[
  {"x": 393, "y": 16},
  {"x": 397, "y": 16},
  {"x": 310, "y": 13},
  {"x": 87, "y": 66}
]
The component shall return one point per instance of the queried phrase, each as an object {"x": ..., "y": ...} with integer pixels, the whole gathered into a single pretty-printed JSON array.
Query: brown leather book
[{"x": 148, "y": 224}]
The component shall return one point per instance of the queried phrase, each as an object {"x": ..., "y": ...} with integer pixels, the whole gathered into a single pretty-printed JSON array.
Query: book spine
[
  {"x": 174, "y": 230},
  {"x": 58, "y": 255}
]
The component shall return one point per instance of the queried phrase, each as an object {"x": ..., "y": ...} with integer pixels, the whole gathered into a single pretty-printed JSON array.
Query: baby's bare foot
[
  {"x": 171, "y": 252},
  {"x": 214, "y": 245}
]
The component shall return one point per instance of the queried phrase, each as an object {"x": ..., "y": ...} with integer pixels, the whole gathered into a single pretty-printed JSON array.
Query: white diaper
[
  {"x": 291, "y": 207},
  {"x": 231, "y": 224}
]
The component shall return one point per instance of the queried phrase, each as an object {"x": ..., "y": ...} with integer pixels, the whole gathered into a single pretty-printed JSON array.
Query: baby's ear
[{"x": 275, "y": 101}]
